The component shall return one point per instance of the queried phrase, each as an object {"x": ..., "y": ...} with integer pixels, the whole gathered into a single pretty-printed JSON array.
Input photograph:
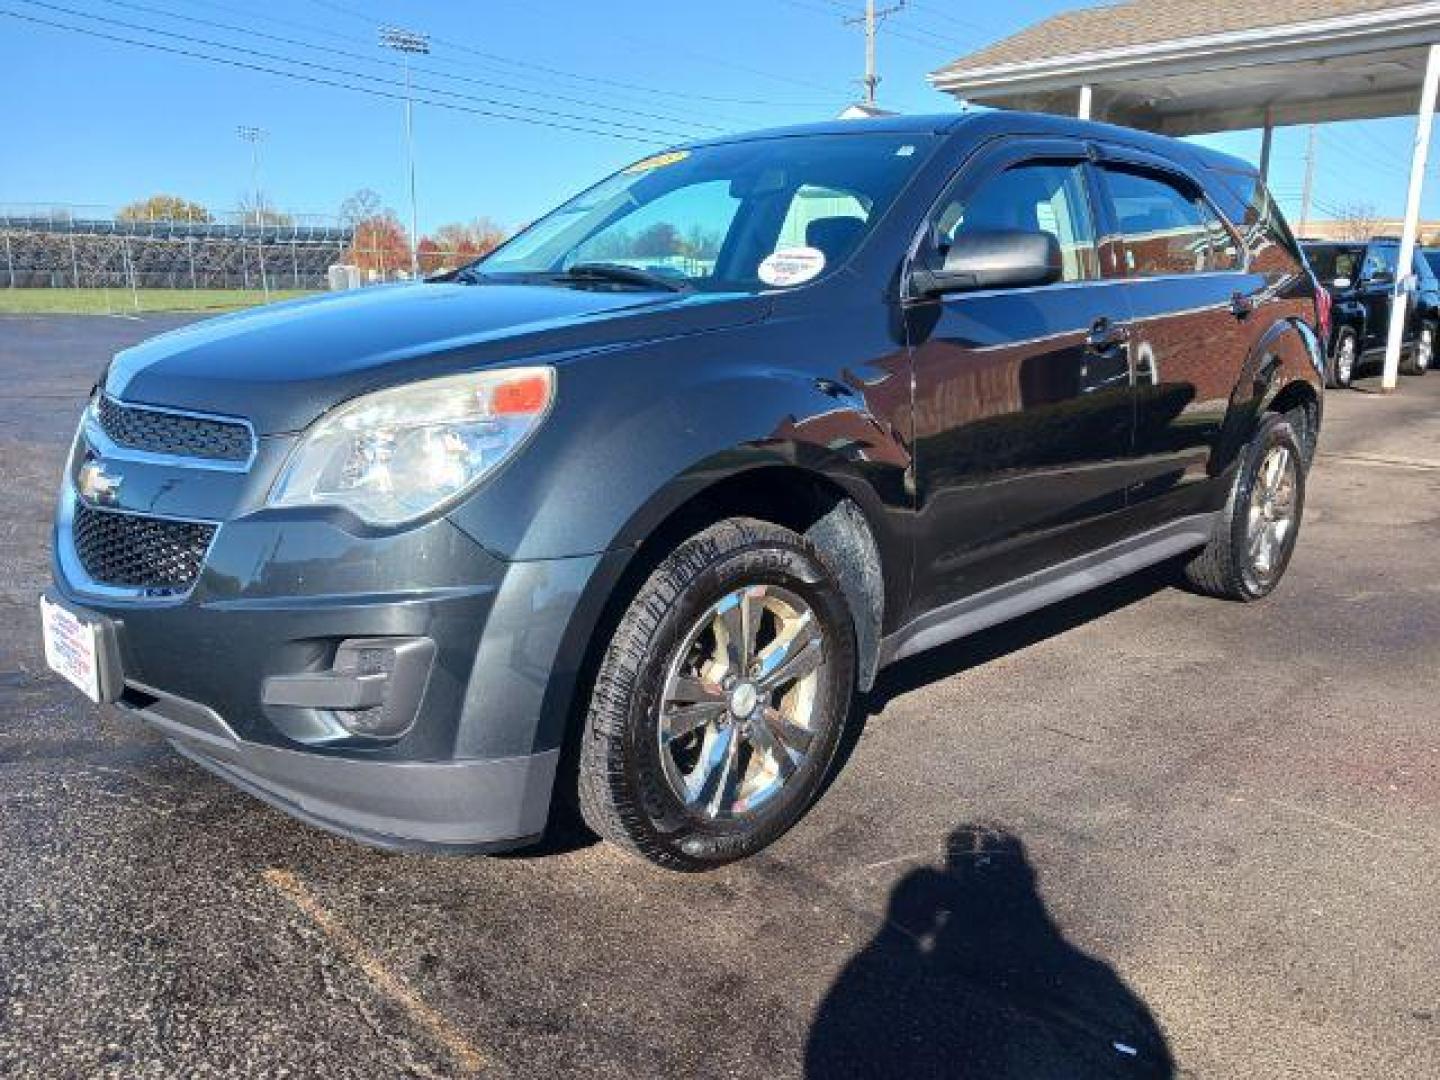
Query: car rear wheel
[
  {"x": 1342, "y": 365},
  {"x": 721, "y": 700},
  {"x": 1256, "y": 532},
  {"x": 1422, "y": 353}
]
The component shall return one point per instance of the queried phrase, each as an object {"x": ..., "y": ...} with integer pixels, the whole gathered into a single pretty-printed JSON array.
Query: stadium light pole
[
  {"x": 254, "y": 136},
  {"x": 408, "y": 43}
]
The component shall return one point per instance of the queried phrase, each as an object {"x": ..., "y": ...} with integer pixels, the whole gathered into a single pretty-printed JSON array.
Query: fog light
[{"x": 372, "y": 691}]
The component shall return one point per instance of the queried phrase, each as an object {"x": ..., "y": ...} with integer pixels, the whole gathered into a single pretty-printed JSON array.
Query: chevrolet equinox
[{"x": 629, "y": 509}]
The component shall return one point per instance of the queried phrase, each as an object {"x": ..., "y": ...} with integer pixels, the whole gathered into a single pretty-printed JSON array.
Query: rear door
[
  {"x": 1022, "y": 399},
  {"x": 1190, "y": 295}
]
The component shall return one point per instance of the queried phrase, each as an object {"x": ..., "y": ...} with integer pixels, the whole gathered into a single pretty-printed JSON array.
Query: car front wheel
[{"x": 720, "y": 701}]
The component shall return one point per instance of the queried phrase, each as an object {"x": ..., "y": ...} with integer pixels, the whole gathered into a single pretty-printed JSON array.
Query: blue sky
[{"x": 93, "y": 121}]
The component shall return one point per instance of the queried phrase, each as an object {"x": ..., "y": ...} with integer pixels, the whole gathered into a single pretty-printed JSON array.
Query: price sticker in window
[{"x": 791, "y": 266}]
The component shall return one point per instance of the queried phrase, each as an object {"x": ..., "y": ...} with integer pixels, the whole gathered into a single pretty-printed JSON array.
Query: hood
[{"x": 284, "y": 364}]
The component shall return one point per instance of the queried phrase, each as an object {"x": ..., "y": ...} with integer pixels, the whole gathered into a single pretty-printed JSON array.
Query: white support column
[
  {"x": 1400, "y": 296},
  {"x": 1084, "y": 111}
]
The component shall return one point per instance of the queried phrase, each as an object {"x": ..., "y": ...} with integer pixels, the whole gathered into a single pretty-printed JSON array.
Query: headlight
[{"x": 394, "y": 455}]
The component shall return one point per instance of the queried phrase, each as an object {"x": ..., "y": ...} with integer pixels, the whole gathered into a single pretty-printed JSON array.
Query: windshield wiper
[
  {"x": 466, "y": 275},
  {"x": 625, "y": 275}
]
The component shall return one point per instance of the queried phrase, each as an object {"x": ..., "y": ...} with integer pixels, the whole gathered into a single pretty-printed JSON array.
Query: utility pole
[
  {"x": 408, "y": 43},
  {"x": 872, "y": 20},
  {"x": 1308, "y": 189}
]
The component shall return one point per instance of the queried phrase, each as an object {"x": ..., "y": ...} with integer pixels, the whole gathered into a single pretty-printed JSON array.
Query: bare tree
[
  {"x": 1357, "y": 222},
  {"x": 361, "y": 206},
  {"x": 258, "y": 209}
]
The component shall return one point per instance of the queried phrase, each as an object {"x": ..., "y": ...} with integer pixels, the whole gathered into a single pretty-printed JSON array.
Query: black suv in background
[
  {"x": 631, "y": 508},
  {"x": 1361, "y": 281}
]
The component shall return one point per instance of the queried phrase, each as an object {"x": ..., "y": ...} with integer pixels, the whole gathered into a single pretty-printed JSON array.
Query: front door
[
  {"x": 1377, "y": 293},
  {"x": 1022, "y": 396}
]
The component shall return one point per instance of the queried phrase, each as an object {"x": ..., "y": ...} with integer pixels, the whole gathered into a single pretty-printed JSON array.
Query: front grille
[
  {"x": 160, "y": 432},
  {"x": 137, "y": 552}
]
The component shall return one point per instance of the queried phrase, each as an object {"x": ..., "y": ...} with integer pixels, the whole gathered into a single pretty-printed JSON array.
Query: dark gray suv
[{"x": 625, "y": 513}]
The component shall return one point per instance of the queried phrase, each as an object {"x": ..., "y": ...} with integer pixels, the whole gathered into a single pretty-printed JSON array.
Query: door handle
[
  {"x": 1107, "y": 334},
  {"x": 1241, "y": 305}
]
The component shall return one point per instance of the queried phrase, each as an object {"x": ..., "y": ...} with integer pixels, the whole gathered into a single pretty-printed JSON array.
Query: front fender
[{"x": 632, "y": 438}]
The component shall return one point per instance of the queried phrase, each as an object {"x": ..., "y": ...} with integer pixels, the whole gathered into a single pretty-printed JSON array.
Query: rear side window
[
  {"x": 1042, "y": 197},
  {"x": 1168, "y": 230},
  {"x": 1272, "y": 247}
]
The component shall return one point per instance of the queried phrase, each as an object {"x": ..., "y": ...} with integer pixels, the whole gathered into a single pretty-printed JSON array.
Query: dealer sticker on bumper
[{"x": 71, "y": 648}]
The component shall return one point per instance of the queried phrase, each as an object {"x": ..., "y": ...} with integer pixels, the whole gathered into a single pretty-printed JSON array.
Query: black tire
[
  {"x": 625, "y": 792},
  {"x": 1421, "y": 354},
  {"x": 1342, "y": 374},
  {"x": 1226, "y": 567}
]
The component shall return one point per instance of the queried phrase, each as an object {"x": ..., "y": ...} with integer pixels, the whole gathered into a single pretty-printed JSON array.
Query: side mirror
[
  {"x": 995, "y": 259},
  {"x": 1341, "y": 283}
]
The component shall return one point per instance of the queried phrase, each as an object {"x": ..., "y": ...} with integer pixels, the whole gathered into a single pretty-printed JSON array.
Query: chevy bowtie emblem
[{"x": 96, "y": 486}]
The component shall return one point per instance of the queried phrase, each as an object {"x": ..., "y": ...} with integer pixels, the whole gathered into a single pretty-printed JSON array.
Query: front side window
[
  {"x": 1167, "y": 230},
  {"x": 762, "y": 213},
  {"x": 1035, "y": 197}
]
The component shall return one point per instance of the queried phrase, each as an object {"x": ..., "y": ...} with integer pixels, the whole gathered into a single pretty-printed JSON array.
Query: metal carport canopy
[{"x": 1187, "y": 67}]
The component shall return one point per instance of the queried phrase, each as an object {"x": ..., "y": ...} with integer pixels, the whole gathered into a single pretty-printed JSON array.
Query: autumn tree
[
  {"x": 459, "y": 243},
  {"x": 165, "y": 208},
  {"x": 431, "y": 257},
  {"x": 379, "y": 243}
]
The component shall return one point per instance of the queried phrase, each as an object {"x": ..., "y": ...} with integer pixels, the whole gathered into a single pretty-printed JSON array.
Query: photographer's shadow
[{"x": 970, "y": 977}]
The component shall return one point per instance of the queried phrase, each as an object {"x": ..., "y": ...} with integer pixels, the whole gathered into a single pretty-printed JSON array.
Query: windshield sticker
[
  {"x": 905, "y": 151},
  {"x": 791, "y": 266},
  {"x": 658, "y": 161}
]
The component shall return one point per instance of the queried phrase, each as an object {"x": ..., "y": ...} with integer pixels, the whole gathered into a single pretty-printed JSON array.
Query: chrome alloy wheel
[
  {"x": 1424, "y": 349},
  {"x": 1345, "y": 361},
  {"x": 1272, "y": 511},
  {"x": 738, "y": 711}
]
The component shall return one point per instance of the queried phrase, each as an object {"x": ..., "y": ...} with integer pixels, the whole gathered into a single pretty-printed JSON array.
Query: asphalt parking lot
[{"x": 1142, "y": 834}]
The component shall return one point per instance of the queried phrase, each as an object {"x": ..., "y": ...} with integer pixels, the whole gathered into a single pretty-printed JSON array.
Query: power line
[
  {"x": 340, "y": 9},
  {"x": 347, "y": 73},
  {"x": 317, "y": 80},
  {"x": 332, "y": 50}
]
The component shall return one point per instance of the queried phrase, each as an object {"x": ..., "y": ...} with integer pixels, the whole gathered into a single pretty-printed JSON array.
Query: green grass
[{"x": 124, "y": 302}]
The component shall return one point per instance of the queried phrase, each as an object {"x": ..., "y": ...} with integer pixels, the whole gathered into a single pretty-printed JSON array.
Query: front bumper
[
  {"x": 276, "y": 601},
  {"x": 461, "y": 805}
]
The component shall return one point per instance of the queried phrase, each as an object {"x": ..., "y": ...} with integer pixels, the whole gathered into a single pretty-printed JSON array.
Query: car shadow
[{"x": 969, "y": 976}]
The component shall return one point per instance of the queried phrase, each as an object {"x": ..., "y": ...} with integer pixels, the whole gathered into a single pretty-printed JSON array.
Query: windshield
[
  {"x": 1331, "y": 261},
  {"x": 765, "y": 213}
]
